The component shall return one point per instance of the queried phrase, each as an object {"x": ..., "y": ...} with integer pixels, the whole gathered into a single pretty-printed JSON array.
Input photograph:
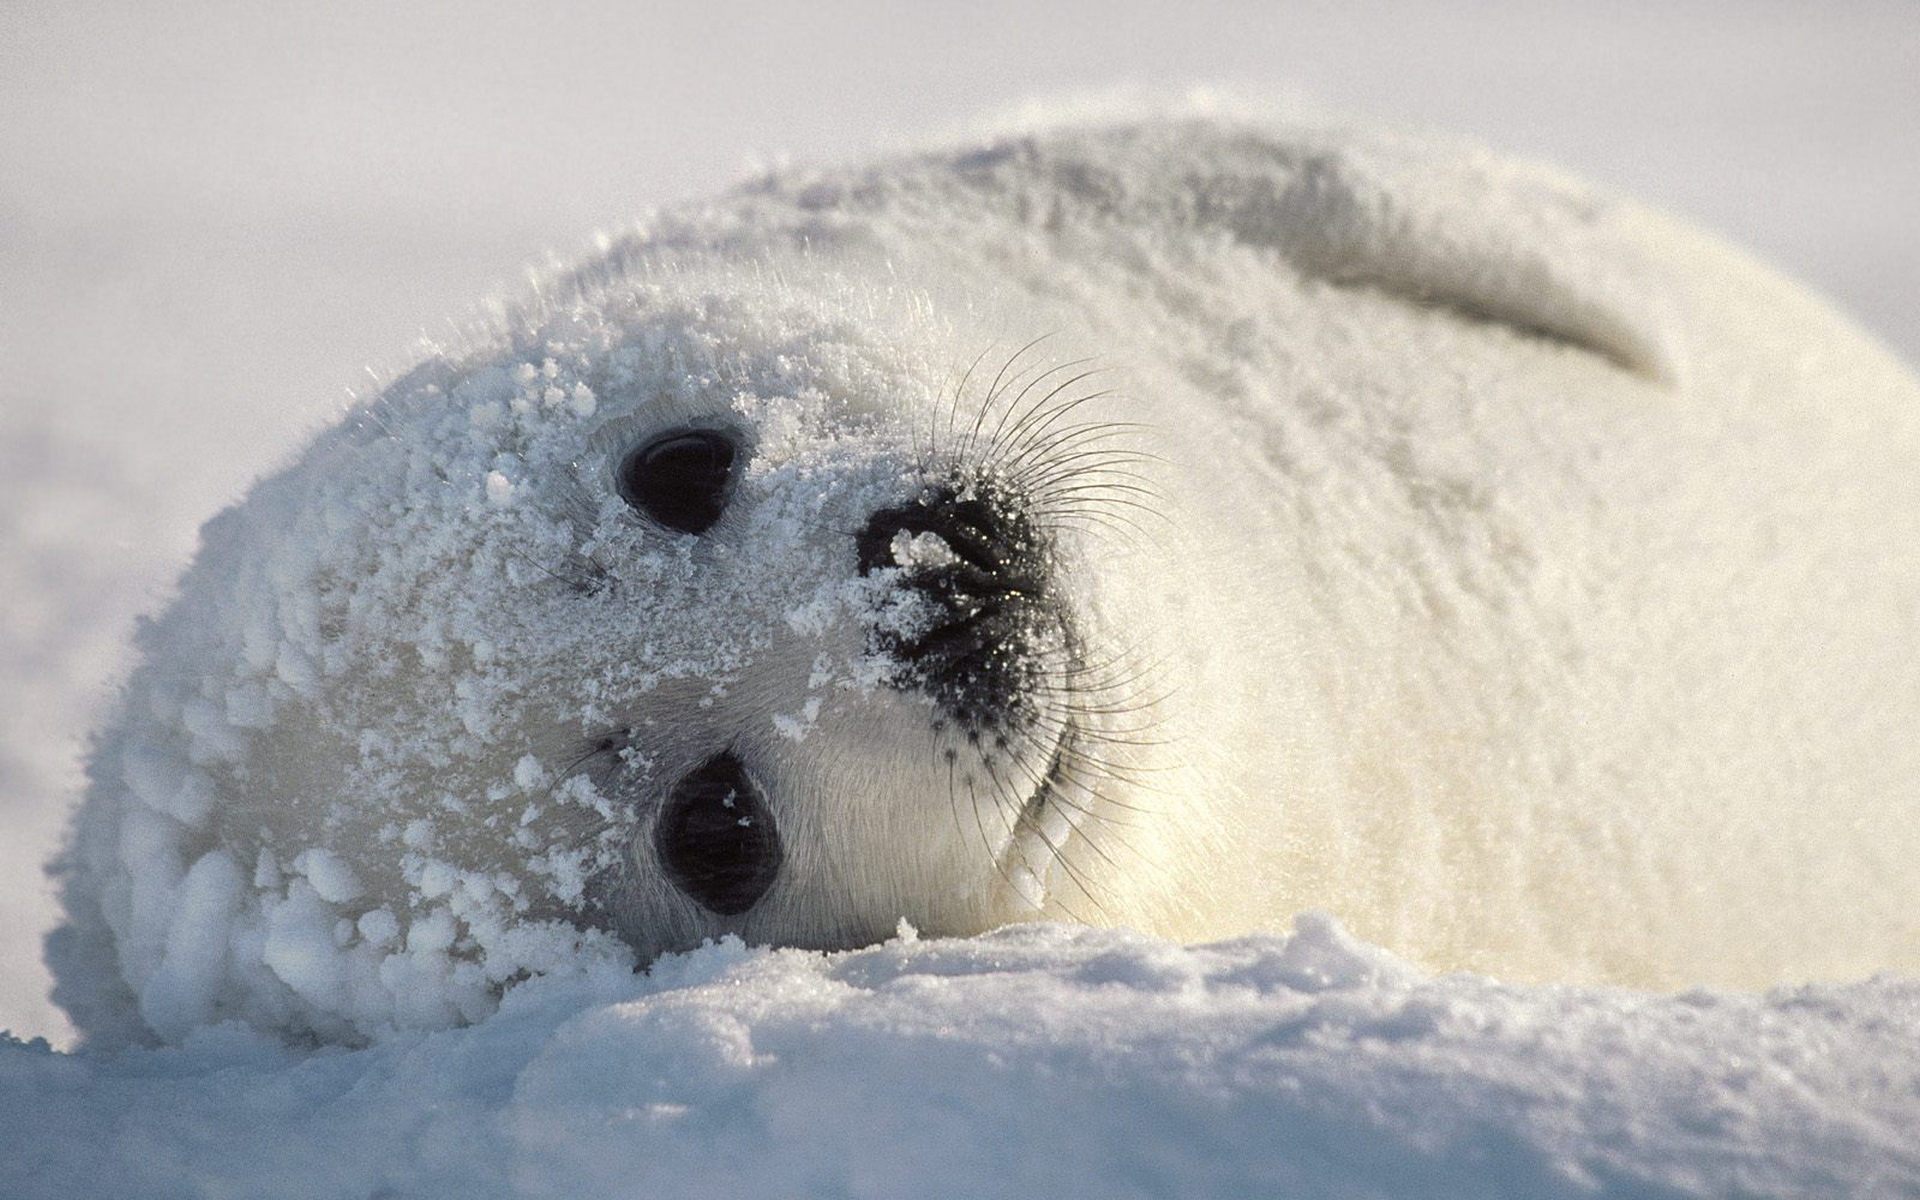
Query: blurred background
[{"x": 220, "y": 221}]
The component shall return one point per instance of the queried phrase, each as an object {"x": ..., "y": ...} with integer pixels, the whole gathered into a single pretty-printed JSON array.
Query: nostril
[{"x": 716, "y": 838}]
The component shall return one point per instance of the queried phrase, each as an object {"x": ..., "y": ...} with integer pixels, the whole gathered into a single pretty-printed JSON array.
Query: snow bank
[{"x": 1039, "y": 1060}]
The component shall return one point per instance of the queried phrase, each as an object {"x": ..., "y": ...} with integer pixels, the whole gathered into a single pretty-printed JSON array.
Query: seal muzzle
[{"x": 978, "y": 564}]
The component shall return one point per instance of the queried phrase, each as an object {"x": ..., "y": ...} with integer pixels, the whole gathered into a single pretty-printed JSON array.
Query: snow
[
  {"x": 199, "y": 258},
  {"x": 1046, "y": 1060}
]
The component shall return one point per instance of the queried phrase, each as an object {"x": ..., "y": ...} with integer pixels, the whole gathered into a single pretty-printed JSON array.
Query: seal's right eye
[{"x": 681, "y": 480}]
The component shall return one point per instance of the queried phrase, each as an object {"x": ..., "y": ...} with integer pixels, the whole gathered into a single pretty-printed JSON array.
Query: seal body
[{"x": 1172, "y": 524}]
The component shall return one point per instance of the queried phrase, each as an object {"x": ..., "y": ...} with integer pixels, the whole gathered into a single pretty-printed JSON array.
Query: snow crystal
[
  {"x": 499, "y": 489},
  {"x": 180, "y": 996},
  {"x": 912, "y": 550},
  {"x": 794, "y": 727},
  {"x": 300, "y": 948},
  {"x": 528, "y": 773},
  {"x": 378, "y": 926},
  {"x": 332, "y": 876}
]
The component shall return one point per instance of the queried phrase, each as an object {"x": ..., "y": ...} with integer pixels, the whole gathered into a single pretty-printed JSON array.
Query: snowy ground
[
  {"x": 1039, "y": 1061},
  {"x": 211, "y": 221}
]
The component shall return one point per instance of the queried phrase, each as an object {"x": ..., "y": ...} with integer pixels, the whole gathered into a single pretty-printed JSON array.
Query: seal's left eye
[
  {"x": 681, "y": 480},
  {"x": 716, "y": 837}
]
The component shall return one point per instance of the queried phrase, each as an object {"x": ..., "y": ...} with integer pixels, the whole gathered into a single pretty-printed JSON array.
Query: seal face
[
  {"x": 926, "y": 632},
  {"x": 1173, "y": 524}
]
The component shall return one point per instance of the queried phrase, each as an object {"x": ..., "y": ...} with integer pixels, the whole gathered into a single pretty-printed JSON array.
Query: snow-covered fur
[{"x": 1524, "y": 578}]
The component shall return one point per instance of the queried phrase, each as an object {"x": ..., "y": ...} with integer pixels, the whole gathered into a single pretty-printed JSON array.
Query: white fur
[{"x": 1533, "y": 587}]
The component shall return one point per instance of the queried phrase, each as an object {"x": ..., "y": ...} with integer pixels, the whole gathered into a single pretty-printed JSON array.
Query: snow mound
[{"x": 1042, "y": 1059}]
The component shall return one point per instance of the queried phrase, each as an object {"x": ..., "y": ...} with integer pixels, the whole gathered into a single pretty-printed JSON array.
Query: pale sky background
[{"x": 216, "y": 218}]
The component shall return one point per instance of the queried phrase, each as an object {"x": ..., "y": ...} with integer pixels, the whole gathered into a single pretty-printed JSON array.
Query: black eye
[
  {"x": 716, "y": 838},
  {"x": 680, "y": 480}
]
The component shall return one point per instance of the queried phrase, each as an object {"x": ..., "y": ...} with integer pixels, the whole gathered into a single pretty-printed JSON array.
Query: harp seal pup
[{"x": 1175, "y": 523}]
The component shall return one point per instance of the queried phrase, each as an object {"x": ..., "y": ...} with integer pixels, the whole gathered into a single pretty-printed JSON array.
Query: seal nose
[
  {"x": 976, "y": 561},
  {"x": 716, "y": 837}
]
